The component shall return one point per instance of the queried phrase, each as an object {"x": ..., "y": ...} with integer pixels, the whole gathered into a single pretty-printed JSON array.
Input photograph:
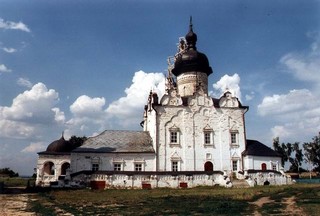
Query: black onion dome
[
  {"x": 60, "y": 145},
  {"x": 191, "y": 59}
]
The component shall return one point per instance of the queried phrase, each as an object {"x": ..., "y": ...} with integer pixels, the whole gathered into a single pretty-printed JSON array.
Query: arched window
[
  {"x": 208, "y": 166},
  {"x": 263, "y": 166},
  {"x": 64, "y": 168},
  {"x": 48, "y": 168}
]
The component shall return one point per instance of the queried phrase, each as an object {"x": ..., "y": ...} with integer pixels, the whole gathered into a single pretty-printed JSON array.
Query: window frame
[
  {"x": 235, "y": 165},
  {"x": 207, "y": 137},
  {"x": 117, "y": 166},
  {"x": 174, "y": 166},
  {"x": 138, "y": 167},
  {"x": 174, "y": 136},
  {"x": 95, "y": 167},
  {"x": 234, "y": 138}
]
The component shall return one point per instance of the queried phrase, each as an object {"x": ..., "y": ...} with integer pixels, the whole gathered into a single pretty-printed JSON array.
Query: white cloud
[
  {"x": 59, "y": 115},
  {"x": 88, "y": 107},
  {"x": 35, "y": 103},
  {"x": 30, "y": 112},
  {"x": 14, "y": 129},
  {"x": 34, "y": 147},
  {"x": 13, "y": 25},
  {"x": 297, "y": 113},
  {"x": 9, "y": 50},
  {"x": 250, "y": 96},
  {"x": 88, "y": 116},
  {"x": 295, "y": 100},
  {"x": 91, "y": 116},
  {"x": 3, "y": 68},
  {"x": 24, "y": 82},
  {"x": 280, "y": 131},
  {"x": 130, "y": 107},
  {"x": 228, "y": 82},
  {"x": 305, "y": 66}
]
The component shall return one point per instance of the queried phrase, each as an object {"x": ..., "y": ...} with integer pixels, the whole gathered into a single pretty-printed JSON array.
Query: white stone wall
[
  {"x": 269, "y": 178},
  {"x": 255, "y": 162},
  {"x": 191, "y": 152},
  {"x": 156, "y": 181},
  {"x": 58, "y": 160},
  {"x": 106, "y": 161}
]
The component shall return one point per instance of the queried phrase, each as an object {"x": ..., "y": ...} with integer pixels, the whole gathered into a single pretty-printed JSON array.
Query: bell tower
[{"x": 191, "y": 67}]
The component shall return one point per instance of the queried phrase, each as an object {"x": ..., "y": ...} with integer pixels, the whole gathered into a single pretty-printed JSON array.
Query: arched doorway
[
  {"x": 263, "y": 166},
  {"x": 48, "y": 168},
  {"x": 64, "y": 168},
  {"x": 208, "y": 166}
]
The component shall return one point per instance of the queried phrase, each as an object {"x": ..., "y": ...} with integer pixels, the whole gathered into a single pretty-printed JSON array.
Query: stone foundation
[{"x": 148, "y": 180}]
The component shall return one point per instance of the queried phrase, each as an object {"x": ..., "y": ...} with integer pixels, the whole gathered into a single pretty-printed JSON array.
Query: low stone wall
[
  {"x": 267, "y": 177},
  {"x": 154, "y": 180}
]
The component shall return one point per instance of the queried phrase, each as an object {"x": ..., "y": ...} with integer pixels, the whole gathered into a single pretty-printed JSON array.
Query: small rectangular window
[
  {"x": 274, "y": 167},
  {"x": 95, "y": 167},
  {"x": 117, "y": 167},
  {"x": 233, "y": 138},
  {"x": 207, "y": 137},
  {"x": 234, "y": 165},
  {"x": 138, "y": 167},
  {"x": 175, "y": 166},
  {"x": 173, "y": 137}
]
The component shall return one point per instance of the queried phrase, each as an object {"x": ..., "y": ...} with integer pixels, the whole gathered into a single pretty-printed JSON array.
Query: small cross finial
[{"x": 190, "y": 25}]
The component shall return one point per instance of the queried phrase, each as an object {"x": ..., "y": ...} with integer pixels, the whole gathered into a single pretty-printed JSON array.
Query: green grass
[
  {"x": 16, "y": 181},
  {"x": 194, "y": 201}
]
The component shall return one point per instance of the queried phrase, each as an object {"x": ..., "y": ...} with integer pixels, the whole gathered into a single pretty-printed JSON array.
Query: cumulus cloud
[
  {"x": 59, "y": 115},
  {"x": 15, "y": 129},
  {"x": 88, "y": 116},
  {"x": 13, "y": 25},
  {"x": 130, "y": 107},
  {"x": 34, "y": 147},
  {"x": 91, "y": 115},
  {"x": 3, "y": 68},
  {"x": 295, "y": 100},
  {"x": 228, "y": 82},
  {"x": 29, "y": 111},
  {"x": 305, "y": 65},
  {"x": 297, "y": 113},
  {"x": 86, "y": 106},
  {"x": 24, "y": 82},
  {"x": 35, "y": 103}
]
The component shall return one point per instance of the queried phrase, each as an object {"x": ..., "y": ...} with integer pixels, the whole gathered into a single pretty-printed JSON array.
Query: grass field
[
  {"x": 16, "y": 181},
  {"x": 299, "y": 199}
]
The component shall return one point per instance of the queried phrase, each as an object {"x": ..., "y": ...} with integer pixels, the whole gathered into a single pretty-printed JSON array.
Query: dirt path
[
  {"x": 290, "y": 203},
  {"x": 14, "y": 205},
  {"x": 259, "y": 203},
  {"x": 292, "y": 208}
]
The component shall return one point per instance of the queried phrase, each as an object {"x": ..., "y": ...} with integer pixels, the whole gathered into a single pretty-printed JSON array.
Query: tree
[
  {"x": 7, "y": 171},
  {"x": 77, "y": 141},
  {"x": 284, "y": 150},
  {"x": 312, "y": 152},
  {"x": 296, "y": 161}
]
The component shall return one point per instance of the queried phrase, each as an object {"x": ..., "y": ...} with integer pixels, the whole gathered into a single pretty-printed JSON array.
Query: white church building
[{"x": 188, "y": 139}]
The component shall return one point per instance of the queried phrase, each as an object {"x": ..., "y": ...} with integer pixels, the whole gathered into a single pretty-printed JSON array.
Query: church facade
[{"x": 188, "y": 139}]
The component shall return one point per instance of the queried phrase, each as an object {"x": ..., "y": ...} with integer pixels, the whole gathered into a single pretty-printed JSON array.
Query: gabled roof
[
  {"x": 116, "y": 141},
  {"x": 256, "y": 148}
]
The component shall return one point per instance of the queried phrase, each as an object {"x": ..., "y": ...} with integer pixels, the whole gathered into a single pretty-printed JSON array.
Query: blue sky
[{"x": 86, "y": 66}]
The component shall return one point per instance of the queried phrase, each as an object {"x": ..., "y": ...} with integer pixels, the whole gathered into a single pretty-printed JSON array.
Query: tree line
[
  {"x": 296, "y": 154},
  {"x": 8, "y": 172}
]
